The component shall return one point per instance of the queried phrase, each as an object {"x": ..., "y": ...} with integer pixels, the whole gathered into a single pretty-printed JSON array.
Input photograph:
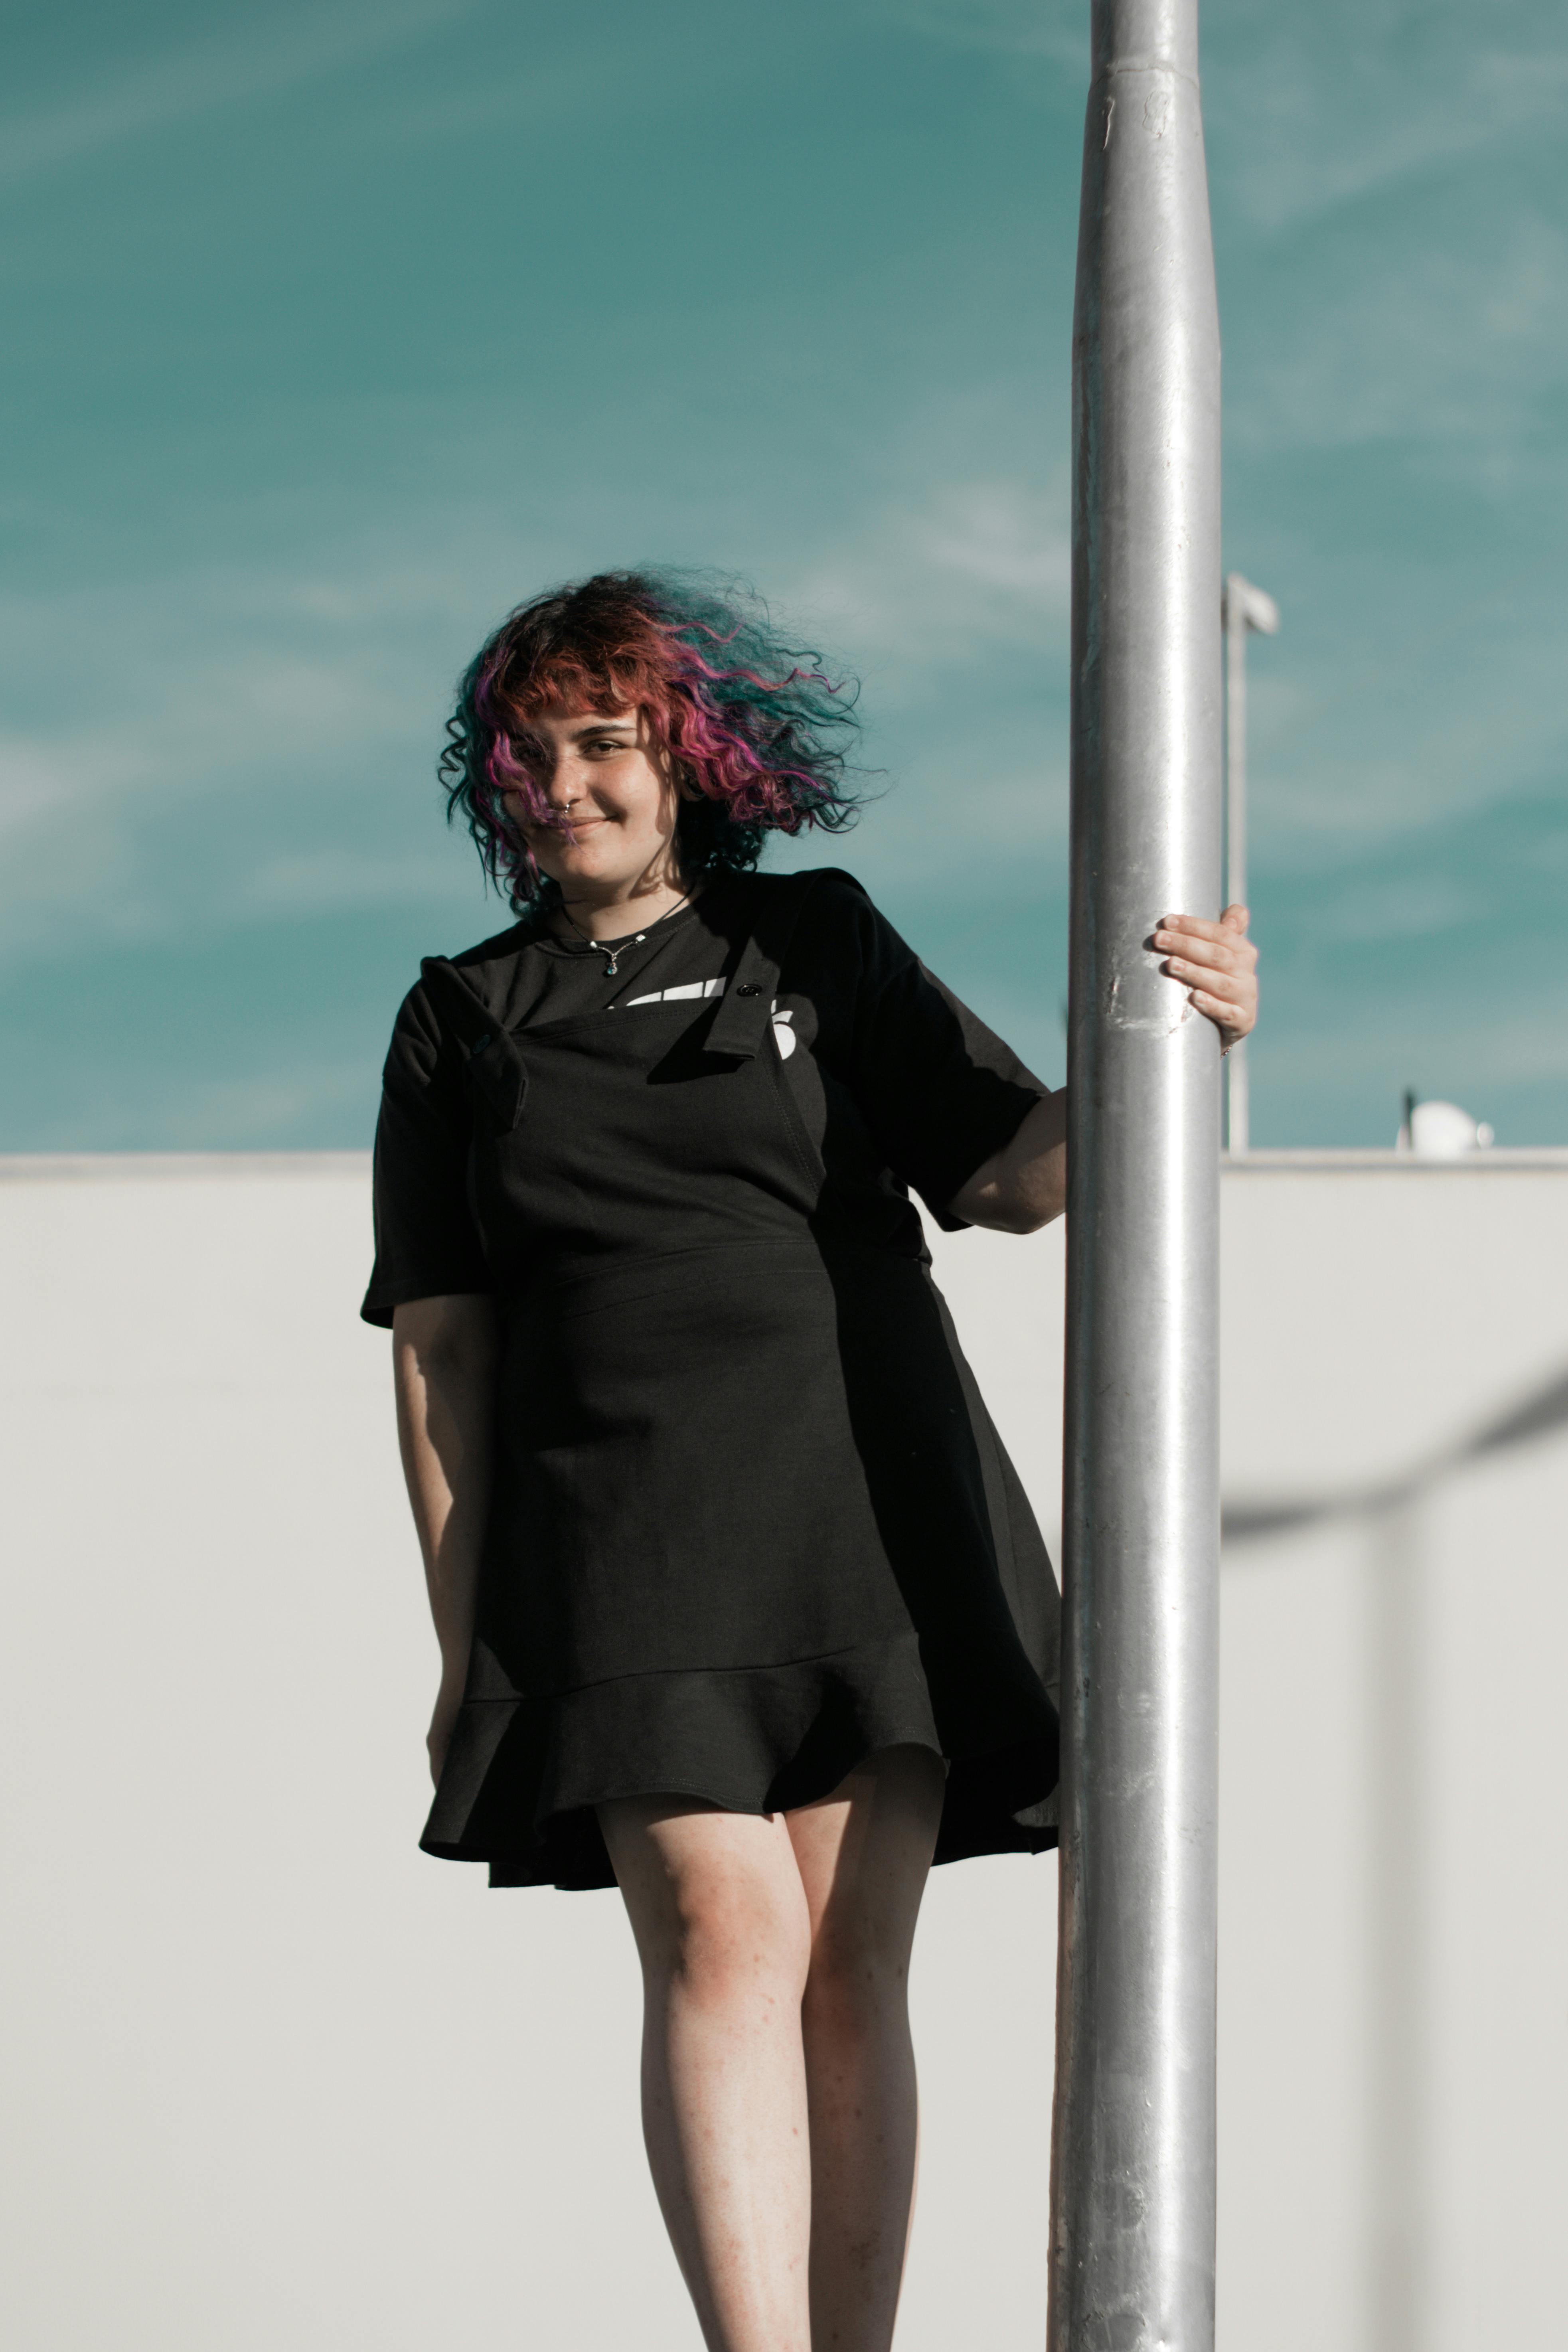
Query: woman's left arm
[{"x": 1024, "y": 1185}]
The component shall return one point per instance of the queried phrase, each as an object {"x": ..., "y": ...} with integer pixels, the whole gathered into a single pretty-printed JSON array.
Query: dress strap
[
  {"x": 495, "y": 1066},
  {"x": 748, "y": 1001}
]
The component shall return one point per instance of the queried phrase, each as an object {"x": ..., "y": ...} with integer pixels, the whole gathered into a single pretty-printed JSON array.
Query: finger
[
  {"x": 1235, "y": 1021},
  {"x": 1233, "y": 991},
  {"x": 1231, "y": 926},
  {"x": 1227, "y": 953},
  {"x": 1198, "y": 926},
  {"x": 1214, "y": 955}
]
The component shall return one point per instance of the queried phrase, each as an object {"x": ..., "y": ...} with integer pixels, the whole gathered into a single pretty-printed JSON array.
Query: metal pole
[
  {"x": 1237, "y": 1123},
  {"x": 1134, "y": 2157},
  {"x": 1244, "y": 607}
]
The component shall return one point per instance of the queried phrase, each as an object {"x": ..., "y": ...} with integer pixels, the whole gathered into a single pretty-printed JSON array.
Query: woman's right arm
[{"x": 444, "y": 1354}]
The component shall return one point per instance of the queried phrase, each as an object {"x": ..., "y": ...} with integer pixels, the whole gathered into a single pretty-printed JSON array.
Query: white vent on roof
[{"x": 1441, "y": 1131}]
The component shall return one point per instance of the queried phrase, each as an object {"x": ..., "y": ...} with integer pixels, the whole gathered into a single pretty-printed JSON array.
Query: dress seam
[
  {"x": 632, "y": 1261},
  {"x": 668, "y": 1674}
]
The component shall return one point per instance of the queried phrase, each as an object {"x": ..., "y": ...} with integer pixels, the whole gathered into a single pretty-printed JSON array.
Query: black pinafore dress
[{"x": 751, "y": 1522}]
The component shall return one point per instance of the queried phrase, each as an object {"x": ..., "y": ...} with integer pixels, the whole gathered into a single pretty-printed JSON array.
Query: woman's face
[{"x": 604, "y": 772}]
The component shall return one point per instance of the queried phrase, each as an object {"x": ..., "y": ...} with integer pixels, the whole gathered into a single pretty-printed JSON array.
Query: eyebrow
[{"x": 600, "y": 726}]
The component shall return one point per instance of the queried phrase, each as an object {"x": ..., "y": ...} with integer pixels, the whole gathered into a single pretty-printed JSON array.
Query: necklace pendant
[{"x": 612, "y": 963}]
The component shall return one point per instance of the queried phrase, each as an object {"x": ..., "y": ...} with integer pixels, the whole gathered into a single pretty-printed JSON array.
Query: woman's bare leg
[
  {"x": 720, "y": 1915},
  {"x": 863, "y": 1856}
]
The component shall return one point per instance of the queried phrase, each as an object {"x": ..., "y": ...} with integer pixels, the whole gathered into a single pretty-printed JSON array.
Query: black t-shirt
[{"x": 899, "y": 1084}]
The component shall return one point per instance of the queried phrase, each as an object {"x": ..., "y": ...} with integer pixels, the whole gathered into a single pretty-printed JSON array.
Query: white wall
[
  {"x": 274, "y": 2077},
  {"x": 1395, "y": 1906}
]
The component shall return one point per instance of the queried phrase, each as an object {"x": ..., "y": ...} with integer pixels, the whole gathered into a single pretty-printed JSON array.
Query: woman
[{"x": 739, "y": 1603}]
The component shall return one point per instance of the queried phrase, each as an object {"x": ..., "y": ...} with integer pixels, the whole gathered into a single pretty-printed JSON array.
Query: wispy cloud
[
  {"x": 975, "y": 566},
  {"x": 330, "y": 879},
  {"x": 1417, "y": 341},
  {"x": 304, "y": 686},
  {"x": 255, "y": 56},
  {"x": 1057, "y": 30},
  {"x": 1306, "y": 117}
]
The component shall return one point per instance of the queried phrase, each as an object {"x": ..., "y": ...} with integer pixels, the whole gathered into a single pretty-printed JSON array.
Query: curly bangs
[{"x": 756, "y": 726}]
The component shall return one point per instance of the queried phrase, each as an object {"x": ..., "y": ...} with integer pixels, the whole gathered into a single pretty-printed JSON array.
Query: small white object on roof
[{"x": 1441, "y": 1131}]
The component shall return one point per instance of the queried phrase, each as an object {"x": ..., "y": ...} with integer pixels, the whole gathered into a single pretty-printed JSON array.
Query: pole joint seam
[{"x": 1145, "y": 65}]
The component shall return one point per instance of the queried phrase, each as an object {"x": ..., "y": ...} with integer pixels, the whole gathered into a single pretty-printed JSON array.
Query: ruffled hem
[{"x": 523, "y": 1774}]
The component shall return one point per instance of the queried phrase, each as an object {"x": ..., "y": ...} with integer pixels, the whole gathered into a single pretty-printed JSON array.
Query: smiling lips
[{"x": 574, "y": 827}]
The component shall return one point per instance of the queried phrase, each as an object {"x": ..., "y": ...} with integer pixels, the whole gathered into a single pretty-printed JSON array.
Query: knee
[
  {"x": 729, "y": 1946},
  {"x": 856, "y": 1983}
]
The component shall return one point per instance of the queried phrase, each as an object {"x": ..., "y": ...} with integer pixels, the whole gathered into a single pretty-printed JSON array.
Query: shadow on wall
[
  {"x": 1536, "y": 1415},
  {"x": 1398, "y": 2119}
]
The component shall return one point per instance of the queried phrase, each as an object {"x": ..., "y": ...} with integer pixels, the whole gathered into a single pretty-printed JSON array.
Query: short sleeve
[
  {"x": 939, "y": 1090},
  {"x": 426, "y": 1244}
]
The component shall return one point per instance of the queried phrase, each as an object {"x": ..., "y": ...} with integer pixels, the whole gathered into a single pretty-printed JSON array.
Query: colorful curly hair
[{"x": 755, "y": 726}]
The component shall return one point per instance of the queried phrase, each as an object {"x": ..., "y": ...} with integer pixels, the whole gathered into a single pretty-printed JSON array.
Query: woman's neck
[{"x": 643, "y": 902}]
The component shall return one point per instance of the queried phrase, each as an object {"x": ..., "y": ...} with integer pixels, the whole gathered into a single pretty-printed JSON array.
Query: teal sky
[{"x": 334, "y": 330}]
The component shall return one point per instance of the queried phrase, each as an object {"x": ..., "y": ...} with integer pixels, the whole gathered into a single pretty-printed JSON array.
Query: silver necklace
[{"x": 613, "y": 954}]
